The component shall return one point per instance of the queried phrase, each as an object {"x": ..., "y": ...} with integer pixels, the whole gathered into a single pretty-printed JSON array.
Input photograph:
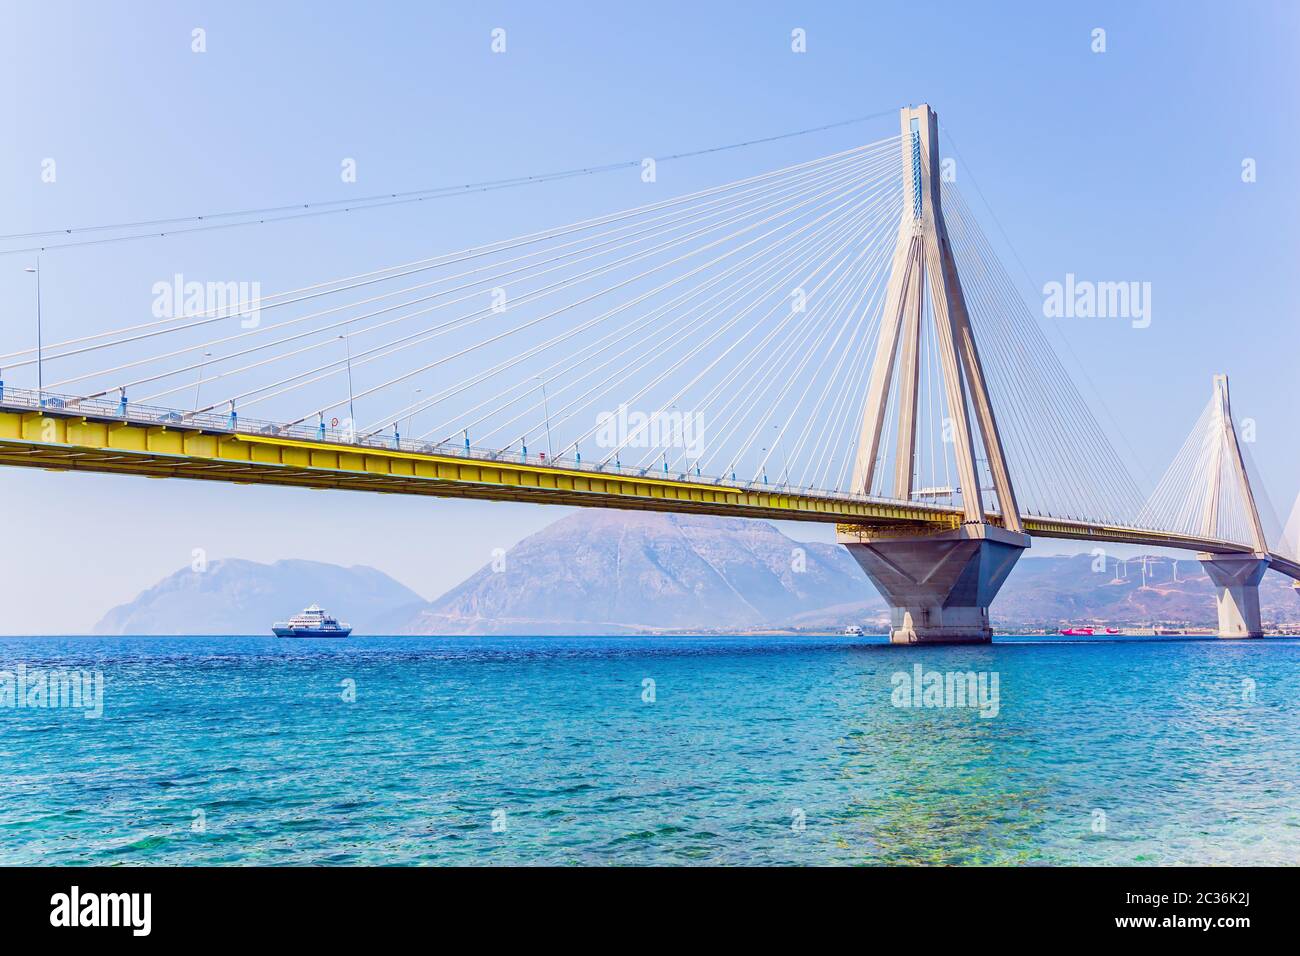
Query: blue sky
[{"x": 1123, "y": 165}]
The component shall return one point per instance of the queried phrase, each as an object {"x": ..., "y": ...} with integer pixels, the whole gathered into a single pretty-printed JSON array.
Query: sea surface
[{"x": 653, "y": 750}]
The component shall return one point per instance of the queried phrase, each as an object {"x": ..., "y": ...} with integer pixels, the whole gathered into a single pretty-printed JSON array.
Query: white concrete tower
[
  {"x": 1236, "y": 577},
  {"x": 940, "y": 585}
]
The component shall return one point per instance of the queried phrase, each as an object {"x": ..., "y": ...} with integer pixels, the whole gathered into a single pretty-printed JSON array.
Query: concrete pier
[
  {"x": 1236, "y": 580},
  {"x": 939, "y": 587}
]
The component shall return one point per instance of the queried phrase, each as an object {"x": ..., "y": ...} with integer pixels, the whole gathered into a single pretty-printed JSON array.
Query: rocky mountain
[
  {"x": 612, "y": 572},
  {"x": 603, "y": 572},
  {"x": 1082, "y": 588},
  {"x": 234, "y": 596},
  {"x": 609, "y": 572}
]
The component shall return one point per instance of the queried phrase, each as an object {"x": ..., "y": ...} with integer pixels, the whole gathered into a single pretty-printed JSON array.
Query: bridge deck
[
  {"x": 88, "y": 443},
  {"x": 62, "y": 440}
]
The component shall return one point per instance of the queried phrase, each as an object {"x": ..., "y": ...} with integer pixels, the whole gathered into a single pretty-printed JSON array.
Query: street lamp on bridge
[
  {"x": 352, "y": 415},
  {"x": 40, "y": 377}
]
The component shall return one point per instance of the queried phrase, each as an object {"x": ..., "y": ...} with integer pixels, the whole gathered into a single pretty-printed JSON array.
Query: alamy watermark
[
  {"x": 176, "y": 297},
  {"x": 1083, "y": 299},
  {"x": 37, "y": 687},
  {"x": 976, "y": 689},
  {"x": 75, "y": 909},
  {"x": 661, "y": 429}
]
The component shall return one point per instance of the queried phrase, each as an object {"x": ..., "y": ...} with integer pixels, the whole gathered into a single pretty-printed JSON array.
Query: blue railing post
[
  {"x": 320, "y": 426},
  {"x": 121, "y": 401},
  {"x": 234, "y": 417}
]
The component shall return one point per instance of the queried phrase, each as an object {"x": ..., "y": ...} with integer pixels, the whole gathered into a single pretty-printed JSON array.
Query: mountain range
[
  {"x": 610, "y": 572},
  {"x": 234, "y": 596},
  {"x": 607, "y": 572}
]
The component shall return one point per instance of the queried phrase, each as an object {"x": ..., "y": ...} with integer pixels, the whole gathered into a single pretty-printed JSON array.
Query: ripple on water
[{"x": 755, "y": 751}]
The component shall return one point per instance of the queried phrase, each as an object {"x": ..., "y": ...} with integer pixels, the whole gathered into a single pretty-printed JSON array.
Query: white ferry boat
[
  {"x": 312, "y": 622},
  {"x": 853, "y": 630}
]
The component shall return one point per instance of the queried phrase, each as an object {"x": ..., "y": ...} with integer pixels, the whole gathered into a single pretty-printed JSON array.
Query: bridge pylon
[
  {"x": 939, "y": 585},
  {"x": 1236, "y": 577}
]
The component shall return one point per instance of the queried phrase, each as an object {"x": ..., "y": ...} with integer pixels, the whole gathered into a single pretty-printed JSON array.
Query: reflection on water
[{"x": 749, "y": 751}]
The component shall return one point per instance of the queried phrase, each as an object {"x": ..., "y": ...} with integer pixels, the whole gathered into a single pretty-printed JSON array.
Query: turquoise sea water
[{"x": 244, "y": 750}]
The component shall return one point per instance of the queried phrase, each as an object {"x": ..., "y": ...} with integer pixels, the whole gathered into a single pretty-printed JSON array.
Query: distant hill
[
  {"x": 609, "y": 572},
  {"x": 1053, "y": 589},
  {"x": 234, "y": 596},
  {"x": 614, "y": 572}
]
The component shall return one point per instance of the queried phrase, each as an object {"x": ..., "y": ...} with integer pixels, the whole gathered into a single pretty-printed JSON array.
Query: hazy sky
[{"x": 1124, "y": 165}]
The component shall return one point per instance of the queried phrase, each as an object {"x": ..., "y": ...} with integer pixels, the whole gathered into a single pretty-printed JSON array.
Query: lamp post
[
  {"x": 199, "y": 384},
  {"x": 784, "y": 456},
  {"x": 40, "y": 375},
  {"x": 550, "y": 449},
  {"x": 352, "y": 415}
]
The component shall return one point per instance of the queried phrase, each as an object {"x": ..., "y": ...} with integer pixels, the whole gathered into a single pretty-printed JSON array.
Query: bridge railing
[
  {"x": 103, "y": 409},
  {"x": 29, "y": 400}
]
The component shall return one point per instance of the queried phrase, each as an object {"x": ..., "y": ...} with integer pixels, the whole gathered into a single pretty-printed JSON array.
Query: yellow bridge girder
[
  {"x": 1042, "y": 527},
  {"x": 65, "y": 442},
  {"x": 76, "y": 443}
]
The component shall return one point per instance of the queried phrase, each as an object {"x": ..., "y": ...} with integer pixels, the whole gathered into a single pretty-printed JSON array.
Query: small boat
[
  {"x": 311, "y": 622},
  {"x": 853, "y": 630},
  {"x": 1112, "y": 630},
  {"x": 1077, "y": 631}
]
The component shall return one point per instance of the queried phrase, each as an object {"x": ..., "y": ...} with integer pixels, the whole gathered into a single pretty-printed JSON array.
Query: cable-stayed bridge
[{"x": 831, "y": 341}]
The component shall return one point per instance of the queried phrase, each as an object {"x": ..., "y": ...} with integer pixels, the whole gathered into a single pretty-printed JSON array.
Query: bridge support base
[
  {"x": 1236, "y": 579},
  {"x": 939, "y": 587}
]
